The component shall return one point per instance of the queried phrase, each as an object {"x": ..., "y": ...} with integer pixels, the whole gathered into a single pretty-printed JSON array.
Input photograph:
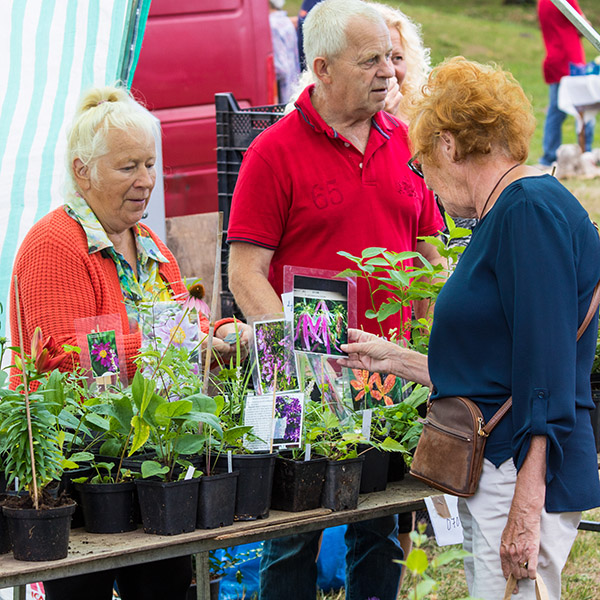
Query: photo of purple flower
[
  {"x": 320, "y": 325},
  {"x": 274, "y": 352},
  {"x": 104, "y": 358},
  {"x": 288, "y": 419}
]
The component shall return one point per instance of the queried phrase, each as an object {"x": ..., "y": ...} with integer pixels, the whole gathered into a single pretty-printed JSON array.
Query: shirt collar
[
  {"x": 97, "y": 239},
  {"x": 382, "y": 122}
]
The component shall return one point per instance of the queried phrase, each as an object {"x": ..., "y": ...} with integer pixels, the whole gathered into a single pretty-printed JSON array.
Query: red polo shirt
[
  {"x": 305, "y": 192},
  {"x": 561, "y": 39}
]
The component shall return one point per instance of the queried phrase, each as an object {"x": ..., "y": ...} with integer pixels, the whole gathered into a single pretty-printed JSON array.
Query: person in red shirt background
[{"x": 563, "y": 46}]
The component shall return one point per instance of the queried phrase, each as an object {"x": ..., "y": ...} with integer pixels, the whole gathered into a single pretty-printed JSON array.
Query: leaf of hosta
[
  {"x": 141, "y": 432},
  {"x": 171, "y": 410},
  {"x": 151, "y": 468},
  {"x": 417, "y": 561},
  {"x": 188, "y": 443}
]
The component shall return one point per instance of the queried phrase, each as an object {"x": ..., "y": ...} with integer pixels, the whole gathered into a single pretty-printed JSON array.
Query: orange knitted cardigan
[{"x": 60, "y": 282}]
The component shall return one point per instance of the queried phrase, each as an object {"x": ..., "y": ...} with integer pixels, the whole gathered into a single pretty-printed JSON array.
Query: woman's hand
[
  {"x": 520, "y": 542},
  {"x": 393, "y": 98},
  {"x": 367, "y": 351}
]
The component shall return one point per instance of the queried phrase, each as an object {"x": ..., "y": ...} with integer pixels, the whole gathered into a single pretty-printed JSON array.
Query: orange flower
[
  {"x": 46, "y": 355},
  {"x": 383, "y": 388},
  {"x": 361, "y": 382}
]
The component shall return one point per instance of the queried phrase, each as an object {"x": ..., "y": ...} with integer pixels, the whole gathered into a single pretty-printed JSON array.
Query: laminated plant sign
[
  {"x": 102, "y": 351},
  {"x": 170, "y": 326},
  {"x": 322, "y": 310},
  {"x": 287, "y": 422},
  {"x": 274, "y": 356}
]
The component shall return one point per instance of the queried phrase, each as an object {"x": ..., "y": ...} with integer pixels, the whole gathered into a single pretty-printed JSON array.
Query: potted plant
[
  {"x": 38, "y": 523},
  {"x": 255, "y": 480},
  {"x": 168, "y": 500},
  {"x": 338, "y": 442}
]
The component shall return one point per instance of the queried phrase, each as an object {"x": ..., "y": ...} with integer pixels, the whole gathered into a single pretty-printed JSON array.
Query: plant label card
[
  {"x": 102, "y": 349},
  {"x": 258, "y": 414},
  {"x": 320, "y": 319},
  {"x": 287, "y": 423},
  {"x": 275, "y": 356},
  {"x": 443, "y": 513}
]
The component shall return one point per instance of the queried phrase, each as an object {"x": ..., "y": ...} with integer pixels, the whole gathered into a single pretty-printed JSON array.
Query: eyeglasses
[{"x": 415, "y": 166}]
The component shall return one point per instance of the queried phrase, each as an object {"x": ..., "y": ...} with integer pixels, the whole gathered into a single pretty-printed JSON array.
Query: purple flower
[{"x": 105, "y": 355}]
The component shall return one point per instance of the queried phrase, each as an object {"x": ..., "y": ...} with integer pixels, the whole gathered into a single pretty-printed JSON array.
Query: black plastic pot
[
  {"x": 5, "y": 545},
  {"x": 595, "y": 381},
  {"x": 297, "y": 484},
  {"x": 375, "y": 469},
  {"x": 38, "y": 535},
  {"x": 216, "y": 500},
  {"x": 255, "y": 483},
  {"x": 66, "y": 485},
  {"x": 342, "y": 484},
  {"x": 108, "y": 507},
  {"x": 168, "y": 508},
  {"x": 397, "y": 467}
]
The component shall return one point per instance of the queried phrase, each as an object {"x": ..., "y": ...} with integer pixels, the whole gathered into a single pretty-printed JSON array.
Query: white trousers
[{"x": 484, "y": 517}]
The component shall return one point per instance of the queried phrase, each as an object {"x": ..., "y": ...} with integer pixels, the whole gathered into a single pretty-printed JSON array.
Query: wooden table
[{"x": 89, "y": 552}]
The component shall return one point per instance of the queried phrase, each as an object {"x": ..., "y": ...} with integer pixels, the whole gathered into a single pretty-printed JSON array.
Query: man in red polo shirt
[{"x": 332, "y": 175}]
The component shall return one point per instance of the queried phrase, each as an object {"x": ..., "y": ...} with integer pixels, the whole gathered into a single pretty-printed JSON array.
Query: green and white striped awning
[{"x": 50, "y": 51}]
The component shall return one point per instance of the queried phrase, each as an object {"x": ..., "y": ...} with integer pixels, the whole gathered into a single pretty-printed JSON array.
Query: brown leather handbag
[{"x": 449, "y": 455}]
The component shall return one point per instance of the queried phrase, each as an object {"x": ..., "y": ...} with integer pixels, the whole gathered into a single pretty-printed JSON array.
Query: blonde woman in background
[{"x": 410, "y": 59}]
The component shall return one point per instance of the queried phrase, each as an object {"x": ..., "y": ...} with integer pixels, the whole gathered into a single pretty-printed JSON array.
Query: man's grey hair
[{"x": 325, "y": 27}]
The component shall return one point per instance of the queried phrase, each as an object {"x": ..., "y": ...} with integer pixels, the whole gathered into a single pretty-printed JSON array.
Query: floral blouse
[{"x": 148, "y": 285}]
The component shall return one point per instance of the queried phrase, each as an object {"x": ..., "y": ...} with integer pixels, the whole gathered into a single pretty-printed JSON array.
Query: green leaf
[
  {"x": 98, "y": 421},
  {"x": 391, "y": 445},
  {"x": 203, "y": 403},
  {"x": 417, "y": 561},
  {"x": 425, "y": 587},
  {"x": 349, "y": 273},
  {"x": 141, "y": 433},
  {"x": 111, "y": 447},
  {"x": 188, "y": 444},
  {"x": 388, "y": 309},
  {"x": 369, "y": 252},
  {"x": 151, "y": 468},
  {"x": 82, "y": 457}
]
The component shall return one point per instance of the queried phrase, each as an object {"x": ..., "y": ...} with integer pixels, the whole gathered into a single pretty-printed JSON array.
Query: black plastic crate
[{"x": 236, "y": 128}]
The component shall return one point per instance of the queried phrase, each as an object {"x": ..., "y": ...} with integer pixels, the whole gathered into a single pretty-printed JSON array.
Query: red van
[{"x": 193, "y": 49}]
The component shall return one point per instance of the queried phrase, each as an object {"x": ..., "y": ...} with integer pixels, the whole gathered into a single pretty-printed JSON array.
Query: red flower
[{"x": 46, "y": 355}]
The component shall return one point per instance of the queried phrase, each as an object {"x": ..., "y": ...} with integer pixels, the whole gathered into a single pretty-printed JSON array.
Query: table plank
[{"x": 89, "y": 552}]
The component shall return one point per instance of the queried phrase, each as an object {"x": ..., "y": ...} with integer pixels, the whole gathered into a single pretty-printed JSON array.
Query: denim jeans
[
  {"x": 553, "y": 128},
  {"x": 288, "y": 567}
]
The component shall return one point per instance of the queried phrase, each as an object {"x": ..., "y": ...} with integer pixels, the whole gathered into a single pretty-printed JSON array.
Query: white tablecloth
[{"x": 578, "y": 96}]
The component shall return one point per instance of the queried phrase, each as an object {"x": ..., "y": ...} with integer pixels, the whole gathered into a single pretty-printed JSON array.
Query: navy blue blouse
[{"x": 506, "y": 323}]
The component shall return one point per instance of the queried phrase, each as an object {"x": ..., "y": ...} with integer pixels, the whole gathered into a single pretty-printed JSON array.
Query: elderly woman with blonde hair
[
  {"x": 92, "y": 256},
  {"x": 505, "y": 325}
]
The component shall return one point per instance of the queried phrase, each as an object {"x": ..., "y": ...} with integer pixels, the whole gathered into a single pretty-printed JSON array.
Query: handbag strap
[
  {"x": 486, "y": 430},
  {"x": 541, "y": 591}
]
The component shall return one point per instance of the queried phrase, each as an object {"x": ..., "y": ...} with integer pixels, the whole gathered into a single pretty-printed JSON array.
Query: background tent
[{"x": 51, "y": 50}]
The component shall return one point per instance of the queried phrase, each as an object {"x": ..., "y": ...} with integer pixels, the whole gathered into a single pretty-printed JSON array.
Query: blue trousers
[
  {"x": 288, "y": 567},
  {"x": 553, "y": 128}
]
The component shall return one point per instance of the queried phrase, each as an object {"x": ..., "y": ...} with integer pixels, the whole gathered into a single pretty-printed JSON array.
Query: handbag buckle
[{"x": 480, "y": 429}]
